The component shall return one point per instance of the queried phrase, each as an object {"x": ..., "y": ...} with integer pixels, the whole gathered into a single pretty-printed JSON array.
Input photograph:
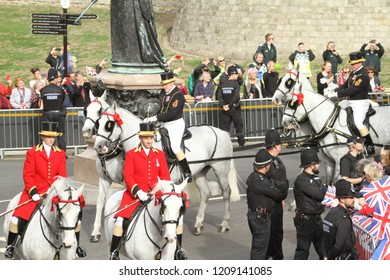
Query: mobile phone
[
  {"x": 372, "y": 41},
  {"x": 8, "y": 77},
  {"x": 43, "y": 75},
  {"x": 178, "y": 56}
]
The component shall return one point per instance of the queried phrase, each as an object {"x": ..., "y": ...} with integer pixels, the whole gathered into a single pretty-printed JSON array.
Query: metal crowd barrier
[
  {"x": 19, "y": 129},
  {"x": 258, "y": 115},
  {"x": 381, "y": 98},
  {"x": 365, "y": 243}
]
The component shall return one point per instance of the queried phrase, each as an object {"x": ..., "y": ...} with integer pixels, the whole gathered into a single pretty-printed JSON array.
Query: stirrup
[
  {"x": 181, "y": 254},
  {"x": 81, "y": 252},
  {"x": 115, "y": 255},
  {"x": 9, "y": 252}
]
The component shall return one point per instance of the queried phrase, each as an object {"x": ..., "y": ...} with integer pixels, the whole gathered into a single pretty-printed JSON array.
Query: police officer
[
  {"x": 261, "y": 196},
  {"x": 356, "y": 89},
  {"x": 171, "y": 114},
  {"x": 309, "y": 193},
  {"x": 349, "y": 161},
  {"x": 278, "y": 174},
  {"x": 229, "y": 102},
  {"x": 53, "y": 98},
  {"x": 339, "y": 236}
]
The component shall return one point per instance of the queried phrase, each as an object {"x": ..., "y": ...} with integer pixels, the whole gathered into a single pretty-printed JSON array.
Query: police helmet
[
  {"x": 272, "y": 138},
  {"x": 309, "y": 157}
]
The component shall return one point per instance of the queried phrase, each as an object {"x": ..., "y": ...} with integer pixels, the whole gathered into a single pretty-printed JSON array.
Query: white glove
[
  {"x": 36, "y": 197},
  {"x": 151, "y": 119},
  {"x": 143, "y": 196}
]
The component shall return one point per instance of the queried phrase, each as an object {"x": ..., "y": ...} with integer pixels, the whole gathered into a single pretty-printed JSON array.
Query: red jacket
[
  {"x": 39, "y": 173},
  {"x": 141, "y": 172}
]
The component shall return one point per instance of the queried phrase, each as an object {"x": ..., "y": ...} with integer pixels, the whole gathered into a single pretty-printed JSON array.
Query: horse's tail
[{"x": 232, "y": 176}]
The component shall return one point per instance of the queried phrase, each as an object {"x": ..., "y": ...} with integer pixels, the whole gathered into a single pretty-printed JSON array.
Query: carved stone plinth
[{"x": 85, "y": 165}]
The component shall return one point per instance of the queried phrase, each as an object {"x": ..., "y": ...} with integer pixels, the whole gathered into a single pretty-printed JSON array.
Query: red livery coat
[
  {"x": 39, "y": 174},
  {"x": 141, "y": 172}
]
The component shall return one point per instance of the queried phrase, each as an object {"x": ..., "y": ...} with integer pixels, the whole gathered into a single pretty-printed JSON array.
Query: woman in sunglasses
[{"x": 343, "y": 75}]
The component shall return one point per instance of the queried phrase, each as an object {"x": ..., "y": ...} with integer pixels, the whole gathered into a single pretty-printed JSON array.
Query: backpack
[{"x": 191, "y": 84}]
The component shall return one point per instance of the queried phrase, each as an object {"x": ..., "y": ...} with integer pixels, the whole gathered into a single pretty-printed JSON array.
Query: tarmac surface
[{"x": 211, "y": 245}]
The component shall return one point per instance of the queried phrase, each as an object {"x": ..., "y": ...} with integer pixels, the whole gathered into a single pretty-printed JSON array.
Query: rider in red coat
[
  {"x": 143, "y": 166},
  {"x": 43, "y": 163}
]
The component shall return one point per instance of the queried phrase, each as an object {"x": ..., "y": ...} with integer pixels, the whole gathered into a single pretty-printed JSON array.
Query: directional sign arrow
[
  {"x": 53, "y": 16},
  {"x": 48, "y": 32},
  {"x": 86, "y": 16}
]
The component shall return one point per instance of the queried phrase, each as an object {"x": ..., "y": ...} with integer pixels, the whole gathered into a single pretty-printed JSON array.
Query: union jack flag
[
  {"x": 329, "y": 198},
  {"x": 382, "y": 251},
  {"x": 376, "y": 191}
]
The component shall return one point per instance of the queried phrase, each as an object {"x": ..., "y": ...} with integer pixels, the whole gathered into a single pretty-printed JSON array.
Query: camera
[
  {"x": 57, "y": 49},
  {"x": 372, "y": 41}
]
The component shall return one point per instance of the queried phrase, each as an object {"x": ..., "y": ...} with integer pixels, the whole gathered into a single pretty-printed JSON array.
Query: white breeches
[
  {"x": 175, "y": 131},
  {"x": 360, "y": 108}
]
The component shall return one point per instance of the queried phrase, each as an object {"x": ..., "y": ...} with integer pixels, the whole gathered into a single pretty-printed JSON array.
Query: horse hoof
[
  {"x": 95, "y": 238},
  {"x": 198, "y": 231},
  {"x": 223, "y": 229}
]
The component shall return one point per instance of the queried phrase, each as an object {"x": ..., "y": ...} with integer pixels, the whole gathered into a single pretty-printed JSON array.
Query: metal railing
[{"x": 365, "y": 243}]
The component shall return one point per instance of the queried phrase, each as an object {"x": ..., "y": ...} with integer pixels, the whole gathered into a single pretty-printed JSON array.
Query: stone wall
[
  {"x": 160, "y": 6},
  {"x": 235, "y": 28}
]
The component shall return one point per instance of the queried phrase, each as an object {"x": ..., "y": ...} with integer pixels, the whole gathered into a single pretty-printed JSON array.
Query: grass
[{"x": 20, "y": 50}]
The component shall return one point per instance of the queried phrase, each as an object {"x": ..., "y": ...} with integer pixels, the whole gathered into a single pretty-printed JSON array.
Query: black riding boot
[
  {"x": 114, "y": 250},
  {"x": 186, "y": 169},
  {"x": 180, "y": 253},
  {"x": 80, "y": 252},
  {"x": 9, "y": 252},
  {"x": 369, "y": 145}
]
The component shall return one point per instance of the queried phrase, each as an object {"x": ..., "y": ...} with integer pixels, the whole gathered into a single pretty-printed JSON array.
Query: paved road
[{"x": 211, "y": 245}]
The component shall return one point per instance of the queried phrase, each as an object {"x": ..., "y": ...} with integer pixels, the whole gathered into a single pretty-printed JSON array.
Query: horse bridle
[
  {"x": 95, "y": 122},
  {"x": 290, "y": 83},
  {"x": 158, "y": 199}
]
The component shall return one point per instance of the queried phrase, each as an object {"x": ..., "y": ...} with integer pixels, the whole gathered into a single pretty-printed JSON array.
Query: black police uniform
[
  {"x": 348, "y": 167},
  {"x": 261, "y": 196},
  {"x": 278, "y": 174},
  {"x": 229, "y": 93},
  {"x": 53, "y": 98},
  {"x": 339, "y": 237},
  {"x": 309, "y": 193}
]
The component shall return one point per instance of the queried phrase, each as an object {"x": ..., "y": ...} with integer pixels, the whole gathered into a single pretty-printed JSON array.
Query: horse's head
[
  {"x": 109, "y": 131},
  {"x": 92, "y": 113},
  {"x": 173, "y": 202},
  {"x": 67, "y": 204}
]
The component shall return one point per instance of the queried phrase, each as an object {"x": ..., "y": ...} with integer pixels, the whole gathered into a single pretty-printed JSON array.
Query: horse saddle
[
  {"x": 166, "y": 144},
  {"x": 351, "y": 123}
]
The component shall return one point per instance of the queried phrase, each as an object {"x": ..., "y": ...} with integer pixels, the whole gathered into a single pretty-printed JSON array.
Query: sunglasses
[
  {"x": 370, "y": 72},
  {"x": 222, "y": 60},
  {"x": 347, "y": 72}
]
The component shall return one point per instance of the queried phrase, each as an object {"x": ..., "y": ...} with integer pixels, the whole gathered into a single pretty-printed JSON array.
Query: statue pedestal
[{"x": 85, "y": 165}]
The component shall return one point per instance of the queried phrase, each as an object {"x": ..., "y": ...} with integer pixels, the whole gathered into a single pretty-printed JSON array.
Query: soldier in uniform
[
  {"x": 171, "y": 114},
  {"x": 43, "y": 163},
  {"x": 261, "y": 196},
  {"x": 143, "y": 166},
  {"x": 229, "y": 101},
  {"x": 53, "y": 98},
  {"x": 349, "y": 161},
  {"x": 309, "y": 193},
  {"x": 278, "y": 174},
  {"x": 356, "y": 89},
  {"x": 339, "y": 236}
]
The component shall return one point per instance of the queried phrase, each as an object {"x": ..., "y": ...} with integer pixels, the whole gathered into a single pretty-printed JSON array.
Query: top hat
[
  {"x": 147, "y": 129},
  {"x": 344, "y": 189},
  {"x": 167, "y": 77},
  {"x": 49, "y": 129},
  {"x": 355, "y": 57},
  {"x": 52, "y": 74},
  {"x": 272, "y": 138},
  {"x": 309, "y": 157},
  {"x": 355, "y": 139},
  {"x": 263, "y": 158}
]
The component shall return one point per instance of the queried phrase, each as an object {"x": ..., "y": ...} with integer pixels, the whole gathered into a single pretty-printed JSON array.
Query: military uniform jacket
[
  {"x": 356, "y": 87},
  {"x": 339, "y": 237},
  {"x": 278, "y": 174},
  {"x": 141, "y": 172},
  {"x": 172, "y": 105},
  {"x": 39, "y": 173},
  {"x": 261, "y": 193},
  {"x": 309, "y": 193}
]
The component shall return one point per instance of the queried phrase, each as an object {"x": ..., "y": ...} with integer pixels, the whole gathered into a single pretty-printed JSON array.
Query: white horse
[
  {"x": 203, "y": 149},
  {"x": 50, "y": 233},
  {"x": 329, "y": 122},
  {"x": 109, "y": 169},
  {"x": 294, "y": 81},
  {"x": 151, "y": 234}
]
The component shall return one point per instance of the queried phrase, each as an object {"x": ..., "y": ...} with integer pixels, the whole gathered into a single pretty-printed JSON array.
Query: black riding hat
[
  {"x": 272, "y": 138},
  {"x": 308, "y": 157}
]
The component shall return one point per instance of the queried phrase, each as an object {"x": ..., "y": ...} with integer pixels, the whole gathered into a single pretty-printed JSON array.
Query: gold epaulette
[
  {"x": 39, "y": 148},
  {"x": 56, "y": 149}
]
